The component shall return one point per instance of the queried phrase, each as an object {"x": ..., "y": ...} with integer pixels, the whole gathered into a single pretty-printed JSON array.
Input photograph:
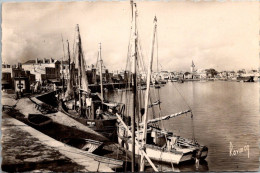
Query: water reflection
[{"x": 223, "y": 112}]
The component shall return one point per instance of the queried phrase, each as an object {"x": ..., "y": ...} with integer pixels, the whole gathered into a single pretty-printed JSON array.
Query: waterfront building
[
  {"x": 92, "y": 75},
  {"x": 223, "y": 74},
  {"x": 164, "y": 75},
  {"x": 6, "y": 76},
  {"x": 188, "y": 75},
  {"x": 202, "y": 74},
  {"x": 6, "y": 68},
  {"x": 117, "y": 78},
  {"x": 194, "y": 74},
  {"x": 179, "y": 75},
  {"x": 15, "y": 77},
  {"x": 45, "y": 69},
  {"x": 22, "y": 79},
  {"x": 231, "y": 75},
  {"x": 6, "y": 80}
]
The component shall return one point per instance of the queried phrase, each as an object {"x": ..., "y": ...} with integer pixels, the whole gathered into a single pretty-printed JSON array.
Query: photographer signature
[{"x": 235, "y": 152}]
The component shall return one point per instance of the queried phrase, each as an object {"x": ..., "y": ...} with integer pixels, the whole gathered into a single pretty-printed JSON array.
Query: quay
[
  {"x": 109, "y": 86},
  {"x": 27, "y": 149}
]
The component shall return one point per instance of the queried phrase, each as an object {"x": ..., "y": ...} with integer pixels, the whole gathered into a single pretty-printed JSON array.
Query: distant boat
[
  {"x": 119, "y": 90},
  {"x": 234, "y": 79},
  {"x": 163, "y": 81},
  {"x": 181, "y": 81},
  {"x": 83, "y": 144},
  {"x": 142, "y": 87},
  {"x": 157, "y": 86},
  {"x": 39, "y": 120},
  {"x": 247, "y": 78}
]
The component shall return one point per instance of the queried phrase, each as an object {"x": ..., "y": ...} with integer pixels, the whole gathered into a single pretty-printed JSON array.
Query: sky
[{"x": 220, "y": 35}]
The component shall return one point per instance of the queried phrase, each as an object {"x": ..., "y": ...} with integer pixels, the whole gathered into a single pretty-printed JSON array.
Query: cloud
[{"x": 213, "y": 34}]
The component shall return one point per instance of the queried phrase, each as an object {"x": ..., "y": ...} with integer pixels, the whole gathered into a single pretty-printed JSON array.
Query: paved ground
[
  {"x": 26, "y": 149},
  {"x": 23, "y": 152}
]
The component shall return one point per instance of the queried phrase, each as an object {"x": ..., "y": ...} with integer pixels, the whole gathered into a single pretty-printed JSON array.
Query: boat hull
[
  {"x": 247, "y": 78},
  {"x": 39, "y": 120},
  {"x": 163, "y": 146},
  {"x": 106, "y": 127},
  {"x": 157, "y": 154},
  {"x": 83, "y": 144}
]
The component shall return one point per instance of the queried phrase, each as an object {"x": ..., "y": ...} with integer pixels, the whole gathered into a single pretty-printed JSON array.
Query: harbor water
[{"x": 225, "y": 119}]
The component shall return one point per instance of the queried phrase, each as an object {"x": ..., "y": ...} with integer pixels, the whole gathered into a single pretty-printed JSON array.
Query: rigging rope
[{"x": 182, "y": 96}]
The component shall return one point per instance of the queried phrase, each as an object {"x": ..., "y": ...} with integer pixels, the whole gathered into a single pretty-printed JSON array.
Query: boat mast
[
  {"x": 69, "y": 54},
  {"x": 101, "y": 77},
  {"x": 148, "y": 79},
  {"x": 62, "y": 66},
  {"x": 79, "y": 68},
  {"x": 69, "y": 90},
  {"x": 134, "y": 58},
  {"x": 68, "y": 77}
]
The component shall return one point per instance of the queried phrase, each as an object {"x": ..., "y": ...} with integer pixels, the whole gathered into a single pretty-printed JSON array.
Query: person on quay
[{"x": 99, "y": 113}]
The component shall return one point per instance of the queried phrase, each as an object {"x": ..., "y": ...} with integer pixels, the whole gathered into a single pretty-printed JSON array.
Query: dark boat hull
[
  {"x": 246, "y": 79},
  {"x": 83, "y": 144},
  {"x": 106, "y": 127},
  {"x": 39, "y": 120}
]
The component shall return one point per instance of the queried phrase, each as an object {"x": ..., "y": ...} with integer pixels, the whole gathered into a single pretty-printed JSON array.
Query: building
[
  {"x": 165, "y": 75},
  {"x": 6, "y": 76},
  {"x": 202, "y": 73},
  {"x": 22, "y": 79},
  {"x": 187, "y": 75},
  {"x": 45, "y": 69}
]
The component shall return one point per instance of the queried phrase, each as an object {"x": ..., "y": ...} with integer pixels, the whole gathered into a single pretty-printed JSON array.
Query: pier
[{"x": 26, "y": 148}]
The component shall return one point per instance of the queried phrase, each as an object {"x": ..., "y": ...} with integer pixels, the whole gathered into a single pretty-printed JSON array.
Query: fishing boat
[
  {"x": 164, "y": 146},
  {"x": 39, "y": 120},
  {"x": 83, "y": 144},
  {"x": 247, "y": 78},
  {"x": 157, "y": 86},
  {"x": 163, "y": 81},
  {"x": 145, "y": 137},
  {"x": 181, "y": 81},
  {"x": 78, "y": 102},
  {"x": 174, "y": 80},
  {"x": 142, "y": 87}
]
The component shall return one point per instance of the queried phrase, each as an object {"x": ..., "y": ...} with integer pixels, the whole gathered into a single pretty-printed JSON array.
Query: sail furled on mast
[
  {"x": 82, "y": 77},
  {"x": 69, "y": 92},
  {"x": 84, "y": 84}
]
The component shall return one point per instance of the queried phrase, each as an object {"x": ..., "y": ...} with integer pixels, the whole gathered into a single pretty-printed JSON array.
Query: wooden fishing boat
[
  {"x": 163, "y": 146},
  {"x": 39, "y": 120},
  {"x": 147, "y": 139},
  {"x": 80, "y": 103},
  {"x": 104, "y": 123},
  {"x": 83, "y": 144}
]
